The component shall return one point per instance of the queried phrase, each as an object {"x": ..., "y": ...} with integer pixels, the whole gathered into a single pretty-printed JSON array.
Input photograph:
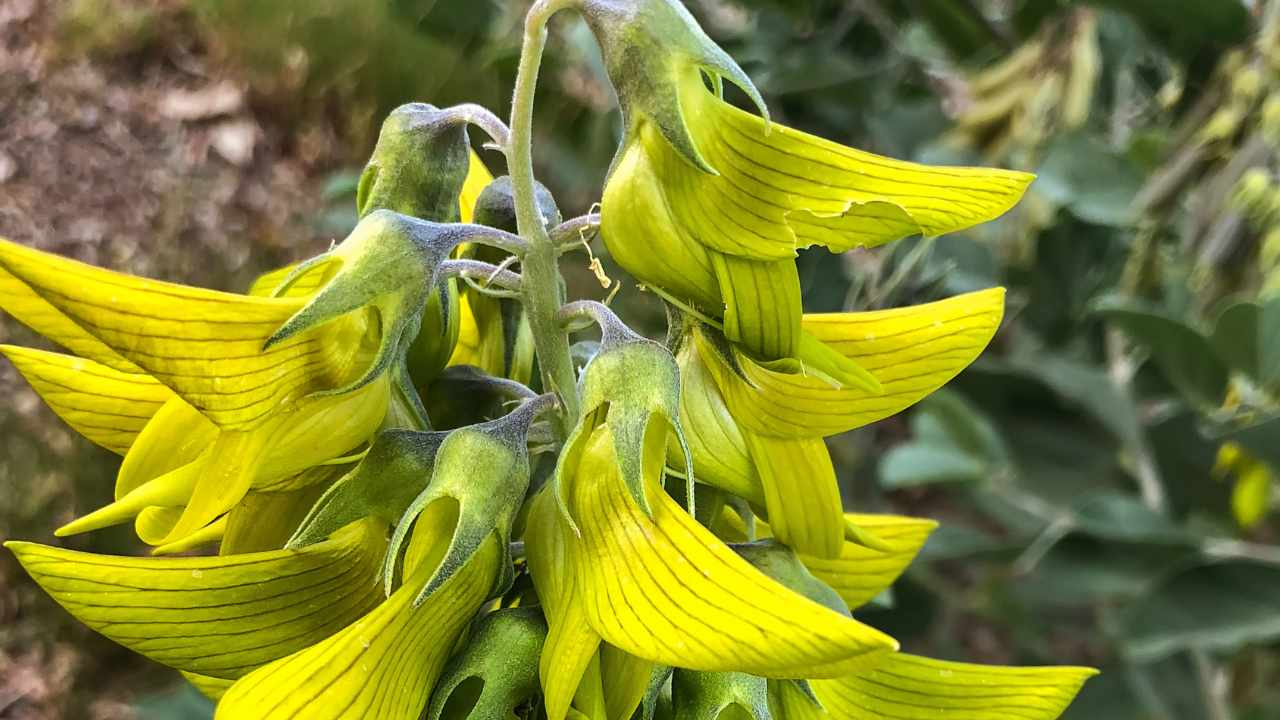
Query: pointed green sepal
[
  {"x": 501, "y": 659},
  {"x": 631, "y": 384},
  {"x": 478, "y": 482},
  {"x": 418, "y": 166},
  {"x": 388, "y": 263},
  {"x": 652, "y": 49}
]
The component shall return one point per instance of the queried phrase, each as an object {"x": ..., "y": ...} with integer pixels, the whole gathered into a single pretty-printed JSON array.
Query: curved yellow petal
[
  {"x": 911, "y": 351},
  {"x": 269, "y": 457},
  {"x": 209, "y": 534},
  {"x": 29, "y": 308},
  {"x": 906, "y": 687},
  {"x": 382, "y": 666},
  {"x": 761, "y": 303},
  {"x": 571, "y": 643},
  {"x": 107, "y": 406},
  {"x": 800, "y": 492},
  {"x": 625, "y": 680},
  {"x": 779, "y": 189},
  {"x": 216, "y": 616},
  {"x": 175, "y": 436},
  {"x": 663, "y": 588},
  {"x": 204, "y": 344},
  {"x": 478, "y": 177},
  {"x": 860, "y": 573},
  {"x": 720, "y": 456}
]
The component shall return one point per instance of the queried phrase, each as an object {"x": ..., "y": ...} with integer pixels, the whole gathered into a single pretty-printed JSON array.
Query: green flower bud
[
  {"x": 496, "y": 206},
  {"x": 478, "y": 482},
  {"x": 653, "y": 48},
  {"x": 502, "y": 655},
  {"x": 632, "y": 384},
  {"x": 418, "y": 166}
]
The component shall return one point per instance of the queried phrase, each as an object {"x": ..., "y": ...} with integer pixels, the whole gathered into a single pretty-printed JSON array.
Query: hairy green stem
[{"x": 540, "y": 268}]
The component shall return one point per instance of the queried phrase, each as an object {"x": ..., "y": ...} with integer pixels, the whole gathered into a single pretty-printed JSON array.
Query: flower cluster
[{"x": 397, "y": 524}]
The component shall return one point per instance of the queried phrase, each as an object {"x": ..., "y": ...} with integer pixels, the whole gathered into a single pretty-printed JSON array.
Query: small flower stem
[
  {"x": 575, "y": 233},
  {"x": 539, "y": 268},
  {"x": 486, "y": 274}
]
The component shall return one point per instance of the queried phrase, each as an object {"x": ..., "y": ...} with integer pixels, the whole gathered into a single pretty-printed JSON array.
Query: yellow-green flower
[
  {"x": 1254, "y": 483},
  {"x": 758, "y": 433},
  {"x": 709, "y": 204},
  {"x": 234, "y": 416},
  {"x": 177, "y": 379}
]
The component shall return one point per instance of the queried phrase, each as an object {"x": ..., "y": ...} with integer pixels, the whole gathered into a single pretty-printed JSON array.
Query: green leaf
[
  {"x": 1261, "y": 439},
  {"x": 1220, "y": 606},
  {"x": 915, "y": 465},
  {"x": 1118, "y": 517},
  {"x": 1186, "y": 357},
  {"x": 1235, "y": 337},
  {"x": 1247, "y": 338},
  {"x": 1093, "y": 182}
]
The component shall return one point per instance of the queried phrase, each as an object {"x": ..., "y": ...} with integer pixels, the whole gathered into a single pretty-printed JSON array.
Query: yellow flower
[
  {"x": 219, "y": 617},
  {"x": 181, "y": 381},
  {"x": 233, "y": 417},
  {"x": 660, "y": 586},
  {"x": 709, "y": 204},
  {"x": 758, "y": 433}
]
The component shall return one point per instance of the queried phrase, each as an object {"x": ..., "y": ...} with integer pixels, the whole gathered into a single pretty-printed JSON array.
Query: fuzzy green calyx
[
  {"x": 652, "y": 49},
  {"x": 418, "y": 166}
]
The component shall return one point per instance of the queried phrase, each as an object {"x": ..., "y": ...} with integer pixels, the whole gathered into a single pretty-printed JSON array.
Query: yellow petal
[
  {"x": 107, "y": 406},
  {"x": 205, "y": 345},
  {"x": 761, "y": 304},
  {"x": 625, "y": 679},
  {"x": 800, "y": 492},
  {"x": 779, "y": 189},
  {"x": 209, "y": 534},
  {"x": 265, "y": 520},
  {"x": 571, "y": 643},
  {"x": 663, "y": 588},
  {"x": 478, "y": 177},
  {"x": 861, "y": 572},
  {"x": 29, "y": 308},
  {"x": 382, "y": 666},
  {"x": 911, "y": 351},
  {"x": 175, "y": 436},
  {"x": 906, "y": 687},
  {"x": 217, "y": 616},
  {"x": 720, "y": 456}
]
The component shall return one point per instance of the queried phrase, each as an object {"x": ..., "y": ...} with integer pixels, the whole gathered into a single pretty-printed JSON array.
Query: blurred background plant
[{"x": 1106, "y": 476}]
